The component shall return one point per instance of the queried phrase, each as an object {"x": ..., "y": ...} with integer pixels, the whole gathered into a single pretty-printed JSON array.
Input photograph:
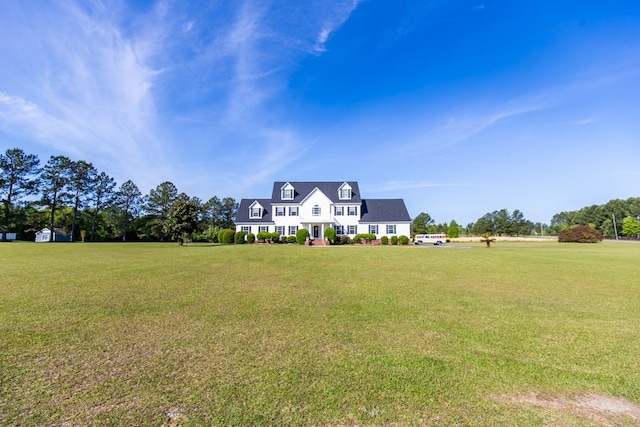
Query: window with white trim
[
  {"x": 316, "y": 211},
  {"x": 255, "y": 212},
  {"x": 293, "y": 211},
  {"x": 263, "y": 228},
  {"x": 293, "y": 229},
  {"x": 351, "y": 229},
  {"x": 345, "y": 193},
  {"x": 280, "y": 229},
  {"x": 391, "y": 229},
  {"x": 280, "y": 210},
  {"x": 339, "y": 210},
  {"x": 246, "y": 229},
  {"x": 339, "y": 230},
  {"x": 287, "y": 194},
  {"x": 352, "y": 210},
  {"x": 373, "y": 229}
]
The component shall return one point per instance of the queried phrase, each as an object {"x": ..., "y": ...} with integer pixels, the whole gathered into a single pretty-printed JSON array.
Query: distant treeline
[
  {"x": 625, "y": 214},
  {"x": 89, "y": 205}
]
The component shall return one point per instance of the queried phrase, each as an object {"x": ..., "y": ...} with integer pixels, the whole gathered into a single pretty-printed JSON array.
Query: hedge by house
[
  {"x": 238, "y": 239},
  {"x": 226, "y": 235},
  {"x": 330, "y": 234},
  {"x": 302, "y": 235},
  {"x": 263, "y": 236},
  {"x": 251, "y": 238},
  {"x": 365, "y": 236}
]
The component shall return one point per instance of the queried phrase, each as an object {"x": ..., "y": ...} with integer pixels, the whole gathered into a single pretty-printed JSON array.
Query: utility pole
[{"x": 615, "y": 229}]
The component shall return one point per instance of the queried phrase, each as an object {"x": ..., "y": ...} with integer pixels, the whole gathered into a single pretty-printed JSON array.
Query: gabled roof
[
  {"x": 384, "y": 210},
  {"x": 242, "y": 215},
  {"x": 302, "y": 190}
]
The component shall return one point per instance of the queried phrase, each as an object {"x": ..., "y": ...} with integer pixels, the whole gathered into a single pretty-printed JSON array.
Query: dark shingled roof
[
  {"x": 384, "y": 210},
  {"x": 302, "y": 190},
  {"x": 243, "y": 211}
]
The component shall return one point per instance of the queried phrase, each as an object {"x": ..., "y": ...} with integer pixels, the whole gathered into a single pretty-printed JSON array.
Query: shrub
[
  {"x": 211, "y": 234},
  {"x": 404, "y": 240},
  {"x": 345, "y": 240},
  {"x": 291, "y": 239},
  {"x": 263, "y": 236},
  {"x": 226, "y": 235},
  {"x": 366, "y": 236},
  {"x": 330, "y": 234},
  {"x": 238, "y": 239},
  {"x": 302, "y": 235},
  {"x": 394, "y": 240},
  {"x": 580, "y": 234},
  {"x": 275, "y": 237},
  {"x": 384, "y": 240},
  {"x": 251, "y": 238}
]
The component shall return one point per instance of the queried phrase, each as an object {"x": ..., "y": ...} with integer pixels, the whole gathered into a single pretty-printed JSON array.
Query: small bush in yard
[
  {"x": 394, "y": 240},
  {"x": 251, "y": 238},
  {"x": 302, "y": 235},
  {"x": 384, "y": 240},
  {"x": 291, "y": 239},
  {"x": 275, "y": 237},
  {"x": 330, "y": 234},
  {"x": 580, "y": 234},
  {"x": 404, "y": 240},
  {"x": 238, "y": 239},
  {"x": 226, "y": 235},
  {"x": 263, "y": 236},
  {"x": 345, "y": 240}
]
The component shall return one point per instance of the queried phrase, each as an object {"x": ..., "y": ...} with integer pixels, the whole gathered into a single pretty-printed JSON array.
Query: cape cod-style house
[{"x": 319, "y": 205}]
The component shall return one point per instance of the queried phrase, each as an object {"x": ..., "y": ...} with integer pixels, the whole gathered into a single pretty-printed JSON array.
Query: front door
[{"x": 316, "y": 231}]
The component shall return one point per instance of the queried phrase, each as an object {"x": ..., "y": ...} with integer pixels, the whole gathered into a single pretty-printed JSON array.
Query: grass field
[{"x": 527, "y": 334}]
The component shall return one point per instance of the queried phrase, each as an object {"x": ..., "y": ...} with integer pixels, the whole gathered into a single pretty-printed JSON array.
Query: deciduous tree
[
  {"x": 421, "y": 223},
  {"x": 182, "y": 218}
]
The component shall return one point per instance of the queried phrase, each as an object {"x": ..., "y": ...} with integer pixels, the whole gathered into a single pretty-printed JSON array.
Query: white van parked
[{"x": 434, "y": 239}]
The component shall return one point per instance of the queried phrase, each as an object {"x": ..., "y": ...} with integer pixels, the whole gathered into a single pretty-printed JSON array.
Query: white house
[
  {"x": 319, "y": 205},
  {"x": 59, "y": 235}
]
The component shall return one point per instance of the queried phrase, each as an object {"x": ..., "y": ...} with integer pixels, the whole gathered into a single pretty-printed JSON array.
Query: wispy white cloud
[
  {"x": 587, "y": 121},
  {"x": 103, "y": 83},
  {"x": 78, "y": 85}
]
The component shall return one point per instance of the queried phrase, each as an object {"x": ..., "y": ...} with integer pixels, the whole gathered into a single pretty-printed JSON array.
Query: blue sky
[{"x": 458, "y": 107}]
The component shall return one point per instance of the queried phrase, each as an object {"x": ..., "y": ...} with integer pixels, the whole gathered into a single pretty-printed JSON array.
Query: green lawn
[{"x": 157, "y": 334}]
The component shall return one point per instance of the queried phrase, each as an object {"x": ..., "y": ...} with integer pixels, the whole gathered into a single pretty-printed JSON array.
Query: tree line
[
  {"x": 89, "y": 205},
  {"x": 496, "y": 223},
  {"x": 613, "y": 219}
]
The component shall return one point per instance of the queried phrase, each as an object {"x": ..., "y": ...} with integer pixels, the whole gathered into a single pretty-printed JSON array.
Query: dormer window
[
  {"x": 286, "y": 192},
  {"x": 344, "y": 192},
  {"x": 255, "y": 210}
]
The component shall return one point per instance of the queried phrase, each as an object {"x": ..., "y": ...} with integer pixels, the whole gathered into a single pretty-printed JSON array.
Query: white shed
[{"x": 59, "y": 235}]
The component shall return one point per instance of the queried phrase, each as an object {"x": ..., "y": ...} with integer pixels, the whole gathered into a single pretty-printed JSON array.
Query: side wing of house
[
  {"x": 254, "y": 216},
  {"x": 385, "y": 217}
]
